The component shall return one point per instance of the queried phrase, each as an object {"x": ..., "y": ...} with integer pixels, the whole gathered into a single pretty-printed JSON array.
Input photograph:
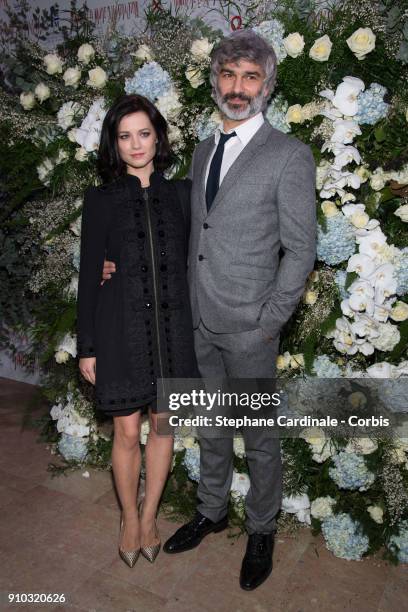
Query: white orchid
[
  {"x": 299, "y": 505},
  {"x": 89, "y": 133},
  {"x": 371, "y": 241},
  {"x": 345, "y": 131},
  {"x": 362, "y": 264}
]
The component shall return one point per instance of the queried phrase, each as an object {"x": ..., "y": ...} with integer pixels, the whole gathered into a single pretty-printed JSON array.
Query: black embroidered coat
[{"x": 138, "y": 324}]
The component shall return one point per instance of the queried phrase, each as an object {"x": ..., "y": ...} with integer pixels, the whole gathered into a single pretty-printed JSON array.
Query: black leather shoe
[
  {"x": 257, "y": 562},
  {"x": 190, "y": 535}
]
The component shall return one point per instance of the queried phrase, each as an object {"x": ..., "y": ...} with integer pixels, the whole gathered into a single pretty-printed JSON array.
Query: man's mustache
[{"x": 240, "y": 96}]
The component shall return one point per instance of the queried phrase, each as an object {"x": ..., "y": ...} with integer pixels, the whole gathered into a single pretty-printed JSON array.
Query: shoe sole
[
  {"x": 245, "y": 588},
  {"x": 185, "y": 548}
]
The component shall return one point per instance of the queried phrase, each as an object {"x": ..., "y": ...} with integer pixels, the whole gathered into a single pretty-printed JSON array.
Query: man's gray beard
[{"x": 253, "y": 108}]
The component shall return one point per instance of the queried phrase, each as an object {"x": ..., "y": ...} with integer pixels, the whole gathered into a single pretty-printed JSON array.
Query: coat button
[
  {"x": 200, "y": 257},
  {"x": 143, "y": 268},
  {"x": 165, "y": 305},
  {"x": 163, "y": 268},
  {"x": 206, "y": 226},
  {"x": 161, "y": 233},
  {"x": 162, "y": 253},
  {"x": 141, "y": 234},
  {"x": 148, "y": 305}
]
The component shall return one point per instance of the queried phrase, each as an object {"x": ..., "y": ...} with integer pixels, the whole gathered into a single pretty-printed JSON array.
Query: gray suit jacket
[{"x": 266, "y": 202}]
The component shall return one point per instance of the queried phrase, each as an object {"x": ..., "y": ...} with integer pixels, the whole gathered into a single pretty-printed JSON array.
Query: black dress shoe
[
  {"x": 190, "y": 535},
  {"x": 257, "y": 562}
]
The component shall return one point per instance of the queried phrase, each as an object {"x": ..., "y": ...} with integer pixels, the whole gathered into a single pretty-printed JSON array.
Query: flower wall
[{"x": 342, "y": 89}]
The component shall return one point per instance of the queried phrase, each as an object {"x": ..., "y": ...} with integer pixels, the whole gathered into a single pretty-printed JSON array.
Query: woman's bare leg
[
  {"x": 126, "y": 462},
  {"x": 159, "y": 453}
]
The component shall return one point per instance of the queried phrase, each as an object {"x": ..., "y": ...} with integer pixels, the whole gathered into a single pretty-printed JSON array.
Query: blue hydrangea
[
  {"x": 276, "y": 114},
  {"x": 205, "y": 127},
  {"x": 73, "y": 448},
  {"x": 338, "y": 243},
  {"x": 191, "y": 462},
  {"x": 340, "y": 279},
  {"x": 344, "y": 537},
  {"x": 150, "y": 81},
  {"x": 351, "y": 472},
  {"x": 324, "y": 368},
  {"x": 273, "y": 32},
  {"x": 401, "y": 272},
  {"x": 371, "y": 105},
  {"x": 399, "y": 543}
]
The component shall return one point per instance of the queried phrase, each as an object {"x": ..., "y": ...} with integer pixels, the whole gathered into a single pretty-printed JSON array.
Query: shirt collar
[{"x": 245, "y": 131}]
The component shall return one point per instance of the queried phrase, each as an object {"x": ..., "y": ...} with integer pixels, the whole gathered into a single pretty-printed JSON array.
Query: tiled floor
[{"x": 59, "y": 535}]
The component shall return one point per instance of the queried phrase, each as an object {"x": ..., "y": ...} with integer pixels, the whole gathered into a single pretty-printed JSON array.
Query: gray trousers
[{"x": 239, "y": 355}]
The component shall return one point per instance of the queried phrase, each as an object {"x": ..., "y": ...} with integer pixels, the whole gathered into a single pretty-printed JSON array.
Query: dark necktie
[{"x": 213, "y": 180}]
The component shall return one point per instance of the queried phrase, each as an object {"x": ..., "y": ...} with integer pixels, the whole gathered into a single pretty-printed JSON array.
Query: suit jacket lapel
[{"x": 240, "y": 165}]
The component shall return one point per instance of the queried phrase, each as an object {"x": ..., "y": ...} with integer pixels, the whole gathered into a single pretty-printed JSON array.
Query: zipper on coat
[{"x": 155, "y": 292}]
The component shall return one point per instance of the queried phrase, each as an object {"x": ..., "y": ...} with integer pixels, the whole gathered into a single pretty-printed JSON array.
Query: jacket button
[
  {"x": 165, "y": 305},
  {"x": 162, "y": 253},
  {"x": 200, "y": 257},
  {"x": 206, "y": 226},
  {"x": 143, "y": 268},
  {"x": 148, "y": 305},
  {"x": 140, "y": 234}
]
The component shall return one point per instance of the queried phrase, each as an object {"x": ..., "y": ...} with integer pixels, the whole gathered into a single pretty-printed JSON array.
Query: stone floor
[{"x": 59, "y": 535}]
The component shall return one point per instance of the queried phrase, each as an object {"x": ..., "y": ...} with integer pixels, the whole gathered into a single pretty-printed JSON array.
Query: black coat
[{"x": 138, "y": 324}]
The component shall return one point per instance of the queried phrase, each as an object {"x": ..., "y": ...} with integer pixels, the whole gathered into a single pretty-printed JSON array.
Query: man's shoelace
[{"x": 257, "y": 545}]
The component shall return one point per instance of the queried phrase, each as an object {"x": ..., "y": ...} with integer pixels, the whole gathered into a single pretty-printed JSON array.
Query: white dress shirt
[{"x": 236, "y": 144}]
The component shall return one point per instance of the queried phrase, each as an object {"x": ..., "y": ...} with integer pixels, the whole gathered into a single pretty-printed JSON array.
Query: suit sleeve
[
  {"x": 93, "y": 244},
  {"x": 296, "y": 199}
]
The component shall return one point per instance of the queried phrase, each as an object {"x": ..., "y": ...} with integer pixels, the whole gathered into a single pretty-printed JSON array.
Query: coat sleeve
[
  {"x": 94, "y": 229},
  {"x": 296, "y": 199}
]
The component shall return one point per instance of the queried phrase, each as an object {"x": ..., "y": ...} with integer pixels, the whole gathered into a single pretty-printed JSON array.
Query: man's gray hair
[{"x": 245, "y": 45}]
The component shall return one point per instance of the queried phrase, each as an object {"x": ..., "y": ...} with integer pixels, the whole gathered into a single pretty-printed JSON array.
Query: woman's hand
[{"x": 87, "y": 366}]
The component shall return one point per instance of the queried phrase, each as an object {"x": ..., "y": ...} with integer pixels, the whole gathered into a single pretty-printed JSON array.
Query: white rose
[
  {"x": 402, "y": 213},
  {"x": 283, "y": 361},
  {"x": 321, "y": 49},
  {"x": 189, "y": 442},
  {"x": 294, "y": 44},
  {"x": 143, "y": 53},
  {"x": 27, "y": 100},
  {"x": 61, "y": 356},
  {"x": 376, "y": 513},
  {"x": 297, "y": 361},
  {"x": 329, "y": 208},
  {"x": 72, "y": 135},
  {"x": 97, "y": 78},
  {"x": 42, "y": 92},
  {"x": 81, "y": 154},
  {"x": 53, "y": 64},
  {"x": 201, "y": 48},
  {"x": 194, "y": 76},
  {"x": 239, "y": 447},
  {"x": 397, "y": 455},
  {"x": 294, "y": 114},
  {"x": 85, "y": 53},
  {"x": 144, "y": 432},
  {"x": 310, "y": 297},
  {"x": 363, "y": 172},
  {"x": 377, "y": 181},
  {"x": 72, "y": 76},
  {"x": 361, "y": 42},
  {"x": 399, "y": 311},
  {"x": 322, "y": 507}
]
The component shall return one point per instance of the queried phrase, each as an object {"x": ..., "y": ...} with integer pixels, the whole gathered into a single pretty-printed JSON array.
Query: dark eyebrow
[{"x": 249, "y": 72}]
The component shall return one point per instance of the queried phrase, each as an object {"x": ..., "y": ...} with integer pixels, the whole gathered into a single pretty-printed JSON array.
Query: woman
[{"x": 136, "y": 327}]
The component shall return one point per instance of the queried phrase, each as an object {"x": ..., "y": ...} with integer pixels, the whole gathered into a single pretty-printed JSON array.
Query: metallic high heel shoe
[
  {"x": 128, "y": 556},
  {"x": 150, "y": 552}
]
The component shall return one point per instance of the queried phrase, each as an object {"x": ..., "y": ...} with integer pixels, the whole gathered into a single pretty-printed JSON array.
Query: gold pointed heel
[
  {"x": 128, "y": 556},
  {"x": 150, "y": 552}
]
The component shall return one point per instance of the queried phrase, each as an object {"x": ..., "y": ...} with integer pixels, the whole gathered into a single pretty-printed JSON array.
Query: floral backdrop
[{"x": 343, "y": 89}]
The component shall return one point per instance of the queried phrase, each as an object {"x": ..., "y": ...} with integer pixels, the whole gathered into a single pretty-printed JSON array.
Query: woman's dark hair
[{"x": 110, "y": 164}]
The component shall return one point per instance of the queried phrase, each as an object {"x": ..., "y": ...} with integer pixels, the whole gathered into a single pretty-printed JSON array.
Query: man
[{"x": 253, "y": 196}]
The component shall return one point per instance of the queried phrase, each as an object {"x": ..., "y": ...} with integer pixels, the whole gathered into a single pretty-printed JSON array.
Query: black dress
[{"x": 137, "y": 324}]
